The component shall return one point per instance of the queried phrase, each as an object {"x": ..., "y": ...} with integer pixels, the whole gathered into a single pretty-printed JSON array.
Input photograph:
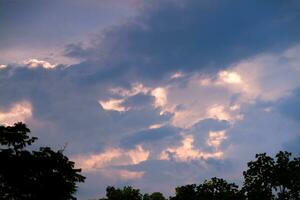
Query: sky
[{"x": 153, "y": 94}]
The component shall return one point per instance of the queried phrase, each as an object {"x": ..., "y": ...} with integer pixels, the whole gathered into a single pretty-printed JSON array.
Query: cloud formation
[
  {"x": 19, "y": 112},
  {"x": 176, "y": 93}
]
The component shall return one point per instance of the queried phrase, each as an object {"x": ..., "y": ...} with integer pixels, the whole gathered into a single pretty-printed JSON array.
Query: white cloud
[
  {"x": 215, "y": 138},
  {"x": 177, "y": 75},
  {"x": 19, "y": 112},
  {"x": 2, "y": 66},
  {"x": 135, "y": 89},
  {"x": 34, "y": 63},
  {"x": 187, "y": 152},
  {"x": 113, "y": 104},
  {"x": 111, "y": 157},
  {"x": 194, "y": 102},
  {"x": 156, "y": 126},
  {"x": 160, "y": 95},
  {"x": 116, "y": 104},
  {"x": 270, "y": 76},
  {"x": 266, "y": 77},
  {"x": 221, "y": 113},
  {"x": 230, "y": 77}
]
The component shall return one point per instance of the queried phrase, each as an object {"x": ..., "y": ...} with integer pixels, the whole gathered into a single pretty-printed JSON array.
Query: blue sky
[{"x": 153, "y": 94}]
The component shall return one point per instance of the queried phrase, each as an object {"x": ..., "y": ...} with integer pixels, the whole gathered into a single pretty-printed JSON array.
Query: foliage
[
  {"x": 154, "y": 196},
  {"x": 218, "y": 188},
  {"x": 127, "y": 193},
  {"x": 269, "y": 178},
  {"x": 185, "y": 192},
  {"x": 24, "y": 174}
]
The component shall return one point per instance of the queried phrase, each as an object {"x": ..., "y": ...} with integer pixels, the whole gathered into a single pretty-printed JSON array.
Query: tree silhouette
[
  {"x": 126, "y": 193},
  {"x": 213, "y": 189},
  {"x": 218, "y": 188},
  {"x": 154, "y": 196},
  {"x": 185, "y": 192},
  {"x": 35, "y": 175},
  {"x": 258, "y": 178},
  {"x": 269, "y": 178}
]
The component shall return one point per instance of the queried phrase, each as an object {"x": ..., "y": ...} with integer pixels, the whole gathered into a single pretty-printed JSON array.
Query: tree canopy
[
  {"x": 273, "y": 178},
  {"x": 27, "y": 174}
]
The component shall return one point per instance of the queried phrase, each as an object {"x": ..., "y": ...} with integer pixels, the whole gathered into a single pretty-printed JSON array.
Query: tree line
[{"x": 46, "y": 174}]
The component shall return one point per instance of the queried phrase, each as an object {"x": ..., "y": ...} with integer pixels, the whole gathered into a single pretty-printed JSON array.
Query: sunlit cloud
[
  {"x": 219, "y": 112},
  {"x": 149, "y": 80},
  {"x": 160, "y": 95},
  {"x": 34, "y": 63},
  {"x": 19, "y": 112},
  {"x": 195, "y": 102},
  {"x": 136, "y": 88},
  {"x": 177, "y": 75},
  {"x": 113, "y": 104},
  {"x": 120, "y": 174},
  {"x": 269, "y": 76},
  {"x": 187, "y": 152},
  {"x": 215, "y": 138},
  {"x": 111, "y": 157},
  {"x": 3, "y": 66},
  {"x": 156, "y": 126},
  {"x": 230, "y": 77}
]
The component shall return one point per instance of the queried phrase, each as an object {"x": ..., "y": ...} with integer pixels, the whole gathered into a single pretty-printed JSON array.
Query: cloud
[
  {"x": 34, "y": 63},
  {"x": 187, "y": 152},
  {"x": 155, "y": 139},
  {"x": 177, "y": 75},
  {"x": 186, "y": 128},
  {"x": 136, "y": 88},
  {"x": 219, "y": 112},
  {"x": 3, "y": 66},
  {"x": 167, "y": 37},
  {"x": 18, "y": 112},
  {"x": 113, "y": 104},
  {"x": 230, "y": 77},
  {"x": 156, "y": 126},
  {"x": 269, "y": 77},
  {"x": 122, "y": 174},
  {"x": 215, "y": 138},
  {"x": 111, "y": 157},
  {"x": 160, "y": 97},
  {"x": 181, "y": 92},
  {"x": 107, "y": 163},
  {"x": 39, "y": 34}
]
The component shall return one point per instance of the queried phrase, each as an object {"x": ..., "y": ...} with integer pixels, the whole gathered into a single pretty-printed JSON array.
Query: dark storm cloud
[
  {"x": 195, "y": 35},
  {"x": 70, "y": 109},
  {"x": 166, "y": 135}
]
